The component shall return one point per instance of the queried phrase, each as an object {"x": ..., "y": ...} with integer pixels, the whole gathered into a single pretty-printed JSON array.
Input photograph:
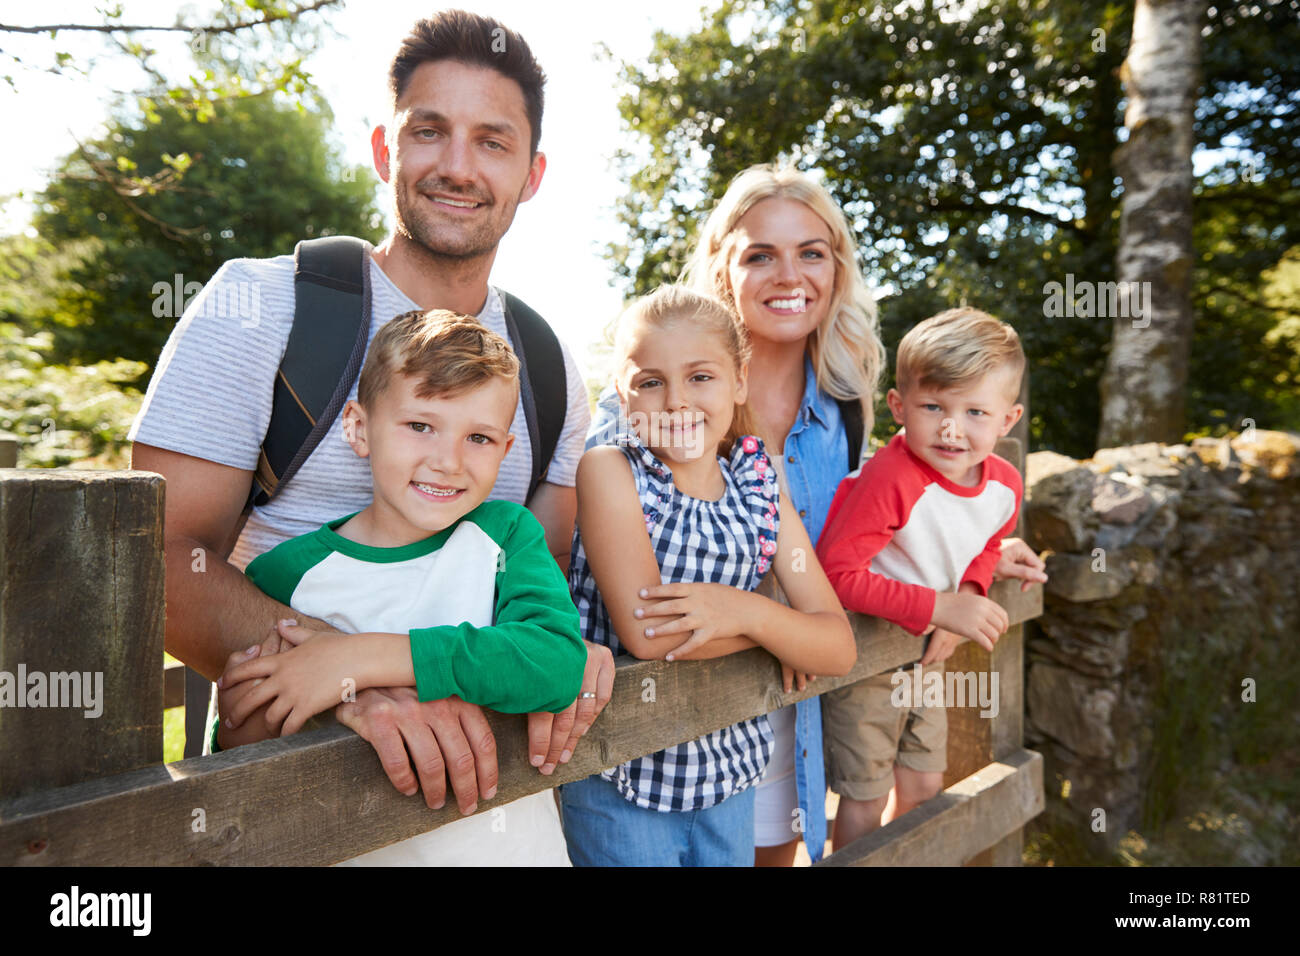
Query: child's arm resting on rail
[
  {"x": 863, "y": 519},
  {"x": 622, "y": 560},
  {"x": 969, "y": 613},
  {"x": 316, "y": 675},
  {"x": 530, "y": 659},
  {"x": 812, "y": 635}
]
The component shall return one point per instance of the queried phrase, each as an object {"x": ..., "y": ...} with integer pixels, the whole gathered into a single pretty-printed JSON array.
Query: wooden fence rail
[{"x": 81, "y": 588}]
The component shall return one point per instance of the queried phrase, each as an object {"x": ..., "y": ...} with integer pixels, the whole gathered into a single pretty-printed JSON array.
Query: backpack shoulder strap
[
  {"x": 851, "y": 415},
  {"x": 327, "y": 344},
  {"x": 543, "y": 385}
]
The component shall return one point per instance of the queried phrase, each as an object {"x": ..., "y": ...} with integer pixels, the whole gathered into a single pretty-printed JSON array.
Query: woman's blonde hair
[
  {"x": 670, "y": 304},
  {"x": 846, "y": 352}
]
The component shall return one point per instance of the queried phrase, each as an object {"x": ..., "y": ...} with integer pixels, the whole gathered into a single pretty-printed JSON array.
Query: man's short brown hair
[
  {"x": 446, "y": 352},
  {"x": 477, "y": 41},
  {"x": 956, "y": 348}
]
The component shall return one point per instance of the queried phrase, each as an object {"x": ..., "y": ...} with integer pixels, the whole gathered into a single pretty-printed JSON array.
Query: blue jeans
[{"x": 603, "y": 829}]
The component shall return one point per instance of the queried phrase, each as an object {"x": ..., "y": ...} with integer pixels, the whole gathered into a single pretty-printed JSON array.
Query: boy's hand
[
  {"x": 708, "y": 611},
  {"x": 553, "y": 737},
  {"x": 942, "y": 644},
  {"x": 297, "y": 683},
  {"x": 1018, "y": 560},
  {"x": 228, "y": 693},
  {"x": 970, "y": 615}
]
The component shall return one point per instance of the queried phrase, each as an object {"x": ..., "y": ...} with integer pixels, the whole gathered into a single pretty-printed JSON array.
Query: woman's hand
[{"x": 708, "y": 612}]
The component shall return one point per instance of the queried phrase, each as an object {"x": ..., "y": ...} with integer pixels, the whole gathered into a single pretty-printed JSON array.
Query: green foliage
[
  {"x": 240, "y": 47},
  {"x": 258, "y": 176},
  {"x": 971, "y": 147},
  {"x": 63, "y": 415}
]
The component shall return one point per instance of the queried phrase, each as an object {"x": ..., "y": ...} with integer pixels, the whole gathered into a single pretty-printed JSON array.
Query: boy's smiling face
[
  {"x": 954, "y": 429},
  {"x": 433, "y": 460}
]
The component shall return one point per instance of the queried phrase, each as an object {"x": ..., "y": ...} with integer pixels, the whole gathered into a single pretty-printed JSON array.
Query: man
[{"x": 460, "y": 154}]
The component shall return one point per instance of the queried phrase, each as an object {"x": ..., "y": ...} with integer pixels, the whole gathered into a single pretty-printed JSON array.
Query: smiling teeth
[
  {"x": 795, "y": 304},
  {"x": 455, "y": 202},
  {"x": 439, "y": 492}
]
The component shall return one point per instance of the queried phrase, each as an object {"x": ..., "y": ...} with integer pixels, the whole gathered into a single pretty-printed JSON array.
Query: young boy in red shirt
[{"x": 913, "y": 537}]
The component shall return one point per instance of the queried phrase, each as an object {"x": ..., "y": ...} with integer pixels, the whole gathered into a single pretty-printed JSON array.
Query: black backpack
[
  {"x": 331, "y": 325},
  {"x": 851, "y": 413}
]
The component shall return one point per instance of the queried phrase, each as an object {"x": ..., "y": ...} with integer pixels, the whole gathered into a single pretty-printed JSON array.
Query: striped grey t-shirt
[{"x": 210, "y": 397}]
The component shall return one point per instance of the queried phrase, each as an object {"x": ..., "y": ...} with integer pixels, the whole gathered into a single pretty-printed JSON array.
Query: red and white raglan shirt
[{"x": 898, "y": 532}]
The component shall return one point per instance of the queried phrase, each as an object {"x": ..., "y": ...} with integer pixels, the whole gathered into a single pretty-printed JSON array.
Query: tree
[
  {"x": 260, "y": 175},
  {"x": 1143, "y": 391},
  {"x": 243, "y": 48},
  {"x": 971, "y": 146}
]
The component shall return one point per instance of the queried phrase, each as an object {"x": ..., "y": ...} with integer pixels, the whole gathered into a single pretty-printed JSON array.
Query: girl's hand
[
  {"x": 297, "y": 683},
  {"x": 708, "y": 612},
  {"x": 790, "y": 676}
]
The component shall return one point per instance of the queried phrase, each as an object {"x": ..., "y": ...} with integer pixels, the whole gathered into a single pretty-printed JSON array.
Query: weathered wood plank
[
  {"x": 321, "y": 796},
  {"x": 81, "y": 614},
  {"x": 971, "y": 816}
]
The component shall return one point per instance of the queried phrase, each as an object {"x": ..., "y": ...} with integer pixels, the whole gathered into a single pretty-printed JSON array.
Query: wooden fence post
[
  {"x": 975, "y": 741},
  {"x": 81, "y": 626}
]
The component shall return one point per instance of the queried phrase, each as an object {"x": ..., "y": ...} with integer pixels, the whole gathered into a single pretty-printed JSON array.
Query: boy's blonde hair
[
  {"x": 670, "y": 304},
  {"x": 447, "y": 352},
  {"x": 956, "y": 348}
]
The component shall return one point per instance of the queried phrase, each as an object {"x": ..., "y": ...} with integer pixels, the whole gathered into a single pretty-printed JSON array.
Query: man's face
[
  {"x": 432, "y": 460},
  {"x": 458, "y": 158}
]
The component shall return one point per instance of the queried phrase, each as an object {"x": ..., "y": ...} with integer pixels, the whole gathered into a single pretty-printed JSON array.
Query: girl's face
[
  {"x": 680, "y": 387},
  {"x": 782, "y": 271}
]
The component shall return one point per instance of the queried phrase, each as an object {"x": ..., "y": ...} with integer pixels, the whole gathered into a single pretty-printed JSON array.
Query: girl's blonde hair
[
  {"x": 846, "y": 352},
  {"x": 670, "y": 304}
]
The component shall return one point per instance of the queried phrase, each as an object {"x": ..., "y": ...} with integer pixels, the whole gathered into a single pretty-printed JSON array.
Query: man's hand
[
  {"x": 255, "y": 727},
  {"x": 442, "y": 738},
  {"x": 553, "y": 737},
  {"x": 1018, "y": 560}
]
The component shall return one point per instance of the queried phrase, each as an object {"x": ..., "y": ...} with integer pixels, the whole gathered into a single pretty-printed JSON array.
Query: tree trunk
[{"x": 1143, "y": 391}]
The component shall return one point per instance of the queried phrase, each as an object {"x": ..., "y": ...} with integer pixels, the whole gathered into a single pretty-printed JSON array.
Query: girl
[
  {"x": 778, "y": 250},
  {"x": 677, "y": 522}
]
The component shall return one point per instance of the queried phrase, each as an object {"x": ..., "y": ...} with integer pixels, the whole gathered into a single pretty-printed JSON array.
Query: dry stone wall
[{"x": 1173, "y": 593}]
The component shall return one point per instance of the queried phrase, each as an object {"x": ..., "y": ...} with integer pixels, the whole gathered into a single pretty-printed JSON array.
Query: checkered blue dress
[{"x": 729, "y": 541}]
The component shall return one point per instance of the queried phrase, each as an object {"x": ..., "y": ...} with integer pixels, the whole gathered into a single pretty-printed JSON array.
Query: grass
[{"x": 173, "y": 734}]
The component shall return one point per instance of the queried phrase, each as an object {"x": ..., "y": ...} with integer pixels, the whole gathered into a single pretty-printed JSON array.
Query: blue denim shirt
[{"x": 815, "y": 458}]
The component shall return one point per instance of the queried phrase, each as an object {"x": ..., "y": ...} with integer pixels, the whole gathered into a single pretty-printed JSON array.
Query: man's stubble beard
[{"x": 413, "y": 224}]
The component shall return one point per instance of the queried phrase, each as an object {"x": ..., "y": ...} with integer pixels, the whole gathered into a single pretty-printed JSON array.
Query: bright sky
[{"x": 552, "y": 255}]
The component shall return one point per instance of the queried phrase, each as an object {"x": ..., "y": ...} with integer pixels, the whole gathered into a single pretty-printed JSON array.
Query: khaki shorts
[{"x": 864, "y": 735}]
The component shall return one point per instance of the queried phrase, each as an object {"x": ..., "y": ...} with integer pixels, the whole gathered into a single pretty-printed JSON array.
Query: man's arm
[
  {"x": 212, "y": 609},
  {"x": 556, "y": 506}
]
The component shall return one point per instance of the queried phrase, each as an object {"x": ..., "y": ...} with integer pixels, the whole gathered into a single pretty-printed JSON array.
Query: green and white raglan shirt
[
  {"x": 487, "y": 608},
  {"x": 491, "y": 621}
]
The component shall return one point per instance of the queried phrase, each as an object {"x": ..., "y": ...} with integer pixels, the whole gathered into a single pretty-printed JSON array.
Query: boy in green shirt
[{"x": 434, "y": 586}]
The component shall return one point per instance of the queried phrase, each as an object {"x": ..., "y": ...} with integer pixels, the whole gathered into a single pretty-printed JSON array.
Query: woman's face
[{"x": 782, "y": 271}]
